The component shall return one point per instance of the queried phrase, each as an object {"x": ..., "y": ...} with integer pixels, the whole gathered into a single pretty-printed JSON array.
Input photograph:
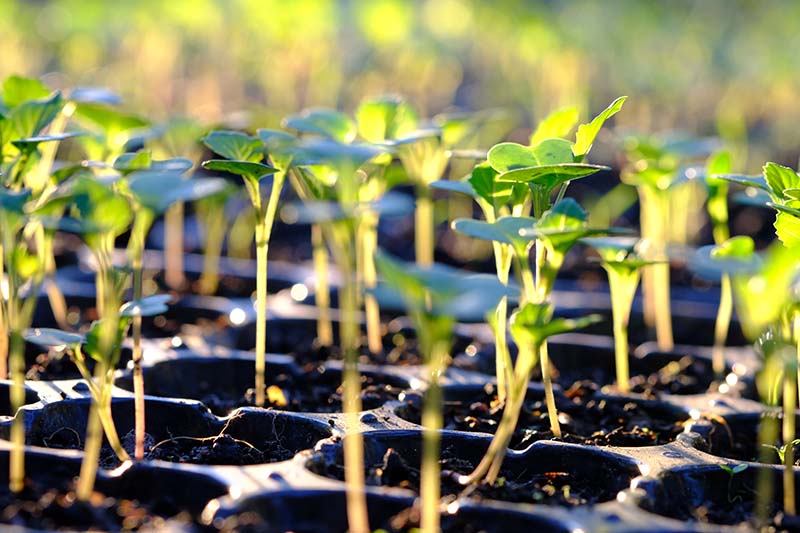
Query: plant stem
[
  {"x": 173, "y": 246},
  {"x": 622, "y": 282},
  {"x": 369, "y": 245},
  {"x": 655, "y": 217},
  {"x": 424, "y": 227},
  {"x": 528, "y": 283},
  {"x": 789, "y": 405},
  {"x": 357, "y": 517},
  {"x": 430, "y": 480},
  {"x": 4, "y": 324},
  {"x": 552, "y": 411},
  {"x": 58, "y": 303},
  {"x": 261, "y": 310},
  {"x": 215, "y": 236},
  {"x": 724, "y": 313},
  {"x": 17, "y": 459},
  {"x": 322, "y": 293},
  {"x": 138, "y": 233},
  {"x": 503, "y": 365},
  {"x": 93, "y": 443}
]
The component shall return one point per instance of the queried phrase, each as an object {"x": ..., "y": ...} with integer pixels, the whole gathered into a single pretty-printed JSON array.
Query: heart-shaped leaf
[
  {"x": 246, "y": 169},
  {"x": 235, "y": 146},
  {"x": 587, "y": 133},
  {"x": 327, "y": 123},
  {"x": 18, "y": 90},
  {"x": 156, "y": 191},
  {"x": 30, "y": 117}
]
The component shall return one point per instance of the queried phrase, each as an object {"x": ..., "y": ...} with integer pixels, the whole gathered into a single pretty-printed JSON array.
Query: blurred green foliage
[{"x": 727, "y": 65}]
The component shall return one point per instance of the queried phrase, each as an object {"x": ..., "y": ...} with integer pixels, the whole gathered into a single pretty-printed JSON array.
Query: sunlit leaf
[
  {"x": 327, "y": 123},
  {"x": 53, "y": 338},
  {"x": 587, "y": 132},
  {"x": 147, "y": 306},
  {"x": 17, "y": 90},
  {"x": 385, "y": 118},
  {"x": 557, "y": 124}
]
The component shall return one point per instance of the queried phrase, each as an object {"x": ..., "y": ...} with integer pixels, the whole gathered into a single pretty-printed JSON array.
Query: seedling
[
  {"x": 732, "y": 471},
  {"x": 767, "y": 308},
  {"x": 105, "y": 352},
  {"x": 434, "y": 298},
  {"x": 530, "y": 326},
  {"x": 243, "y": 155},
  {"x": 328, "y": 169},
  {"x": 152, "y": 193},
  {"x": 731, "y": 256},
  {"x": 653, "y": 168},
  {"x": 622, "y": 262}
]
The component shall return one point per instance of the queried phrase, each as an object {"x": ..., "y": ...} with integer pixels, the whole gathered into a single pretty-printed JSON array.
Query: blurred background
[{"x": 727, "y": 67}]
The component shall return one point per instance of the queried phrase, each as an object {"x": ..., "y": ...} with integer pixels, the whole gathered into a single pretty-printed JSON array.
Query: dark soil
[
  {"x": 596, "y": 422},
  {"x": 312, "y": 391},
  {"x": 551, "y": 488},
  {"x": 50, "y": 509}
]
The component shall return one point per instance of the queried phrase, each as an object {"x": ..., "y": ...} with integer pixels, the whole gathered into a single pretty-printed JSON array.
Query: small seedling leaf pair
[{"x": 534, "y": 323}]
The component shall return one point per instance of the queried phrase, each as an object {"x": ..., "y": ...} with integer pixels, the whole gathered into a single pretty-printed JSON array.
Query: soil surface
[
  {"x": 596, "y": 422},
  {"x": 51, "y": 509},
  {"x": 551, "y": 488}
]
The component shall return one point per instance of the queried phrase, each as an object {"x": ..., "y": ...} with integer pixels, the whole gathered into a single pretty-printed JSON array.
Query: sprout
[
  {"x": 434, "y": 297},
  {"x": 105, "y": 351},
  {"x": 622, "y": 262},
  {"x": 243, "y": 157}
]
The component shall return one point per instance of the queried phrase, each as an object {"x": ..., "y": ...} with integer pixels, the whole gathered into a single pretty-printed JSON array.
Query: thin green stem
[
  {"x": 432, "y": 422},
  {"x": 724, "y": 313},
  {"x": 424, "y": 227},
  {"x": 215, "y": 236},
  {"x": 550, "y": 401},
  {"x": 622, "y": 283},
  {"x": 788, "y": 430},
  {"x": 17, "y": 459},
  {"x": 322, "y": 293},
  {"x": 173, "y": 246},
  {"x": 261, "y": 311},
  {"x": 138, "y": 234},
  {"x": 93, "y": 443}
]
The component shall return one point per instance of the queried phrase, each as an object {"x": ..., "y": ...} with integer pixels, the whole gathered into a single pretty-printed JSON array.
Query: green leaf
[
  {"x": 550, "y": 176},
  {"x": 156, "y": 191},
  {"x": 436, "y": 290},
  {"x": 736, "y": 256},
  {"x": 533, "y": 323},
  {"x": 508, "y": 156},
  {"x": 281, "y": 147},
  {"x": 30, "y": 117},
  {"x": 147, "y": 306},
  {"x": 485, "y": 183},
  {"x": 557, "y": 124},
  {"x": 566, "y": 215},
  {"x": 787, "y": 223},
  {"x": 53, "y": 338},
  {"x": 246, "y": 169},
  {"x": 506, "y": 230},
  {"x": 133, "y": 161},
  {"x": 748, "y": 181},
  {"x": 614, "y": 249},
  {"x": 780, "y": 178},
  {"x": 587, "y": 132},
  {"x": 385, "y": 118},
  {"x": 17, "y": 90},
  {"x": 235, "y": 145},
  {"x": 108, "y": 119},
  {"x": 461, "y": 186},
  {"x": 327, "y": 123},
  {"x": 343, "y": 159},
  {"x": 761, "y": 296}
]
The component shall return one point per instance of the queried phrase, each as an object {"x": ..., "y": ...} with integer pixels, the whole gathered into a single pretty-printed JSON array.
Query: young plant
[
  {"x": 102, "y": 343},
  {"x": 619, "y": 258},
  {"x": 766, "y": 300},
  {"x": 243, "y": 155},
  {"x": 434, "y": 298},
  {"x": 530, "y": 326},
  {"x": 152, "y": 193},
  {"x": 653, "y": 168},
  {"x": 331, "y": 170},
  {"x": 24, "y": 273}
]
